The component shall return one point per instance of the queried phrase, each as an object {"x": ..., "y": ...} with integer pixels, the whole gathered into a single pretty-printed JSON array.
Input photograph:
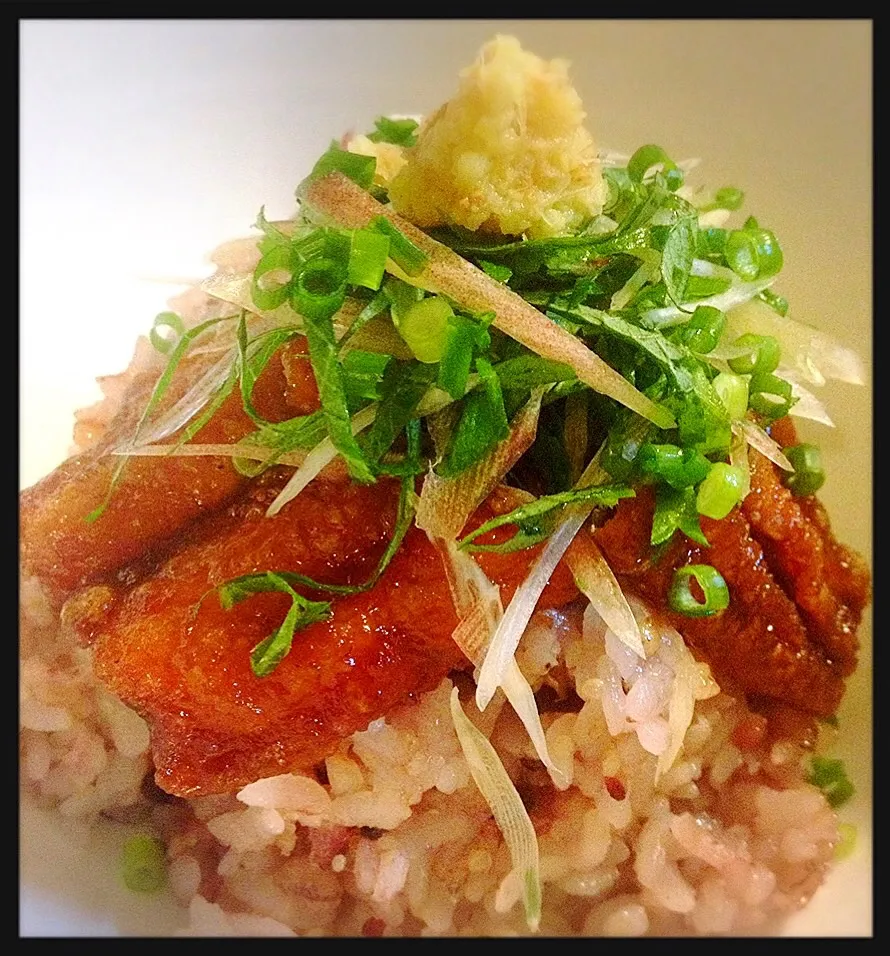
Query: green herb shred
[{"x": 643, "y": 285}]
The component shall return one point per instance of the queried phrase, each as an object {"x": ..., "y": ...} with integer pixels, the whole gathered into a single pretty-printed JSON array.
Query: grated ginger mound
[{"x": 508, "y": 155}]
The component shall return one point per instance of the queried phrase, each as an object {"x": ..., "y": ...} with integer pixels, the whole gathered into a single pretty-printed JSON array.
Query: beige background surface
[{"x": 145, "y": 143}]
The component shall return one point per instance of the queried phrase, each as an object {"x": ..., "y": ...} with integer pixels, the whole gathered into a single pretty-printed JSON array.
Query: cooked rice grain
[{"x": 393, "y": 838}]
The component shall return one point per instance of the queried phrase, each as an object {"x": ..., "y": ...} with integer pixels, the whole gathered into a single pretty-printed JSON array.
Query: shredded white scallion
[
  {"x": 477, "y": 601},
  {"x": 198, "y": 449},
  {"x": 188, "y": 405},
  {"x": 317, "y": 459},
  {"x": 599, "y": 585},
  {"x": 509, "y": 812},
  {"x": 519, "y": 612},
  {"x": 757, "y": 438},
  {"x": 674, "y": 315}
]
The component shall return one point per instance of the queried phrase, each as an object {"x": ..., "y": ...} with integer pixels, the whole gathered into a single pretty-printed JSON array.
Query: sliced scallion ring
[{"x": 710, "y": 582}]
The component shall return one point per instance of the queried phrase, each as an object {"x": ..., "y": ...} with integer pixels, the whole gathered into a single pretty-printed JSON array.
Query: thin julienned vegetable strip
[
  {"x": 757, "y": 438},
  {"x": 350, "y": 206},
  {"x": 515, "y": 620},
  {"x": 478, "y": 604},
  {"x": 446, "y": 504},
  {"x": 197, "y": 449},
  {"x": 317, "y": 459},
  {"x": 506, "y": 805},
  {"x": 596, "y": 581}
]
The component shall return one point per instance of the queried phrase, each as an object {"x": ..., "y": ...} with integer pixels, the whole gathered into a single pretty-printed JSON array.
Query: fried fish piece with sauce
[
  {"x": 156, "y": 496},
  {"x": 774, "y": 640},
  {"x": 184, "y": 663}
]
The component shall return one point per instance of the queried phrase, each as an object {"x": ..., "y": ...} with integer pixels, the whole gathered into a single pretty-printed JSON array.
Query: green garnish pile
[{"x": 643, "y": 285}]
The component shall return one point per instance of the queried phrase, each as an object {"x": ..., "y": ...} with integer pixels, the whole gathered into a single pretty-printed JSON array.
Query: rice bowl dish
[{"x": 544, "y": 732}]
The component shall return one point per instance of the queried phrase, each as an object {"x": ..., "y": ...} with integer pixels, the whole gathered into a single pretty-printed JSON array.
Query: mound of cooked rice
[
  {"x": 392, "y": 837},
  {"x": 679, "y": 811}
]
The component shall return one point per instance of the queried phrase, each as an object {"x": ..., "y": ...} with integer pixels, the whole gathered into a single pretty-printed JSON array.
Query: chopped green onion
[
  {"x": 319, "y": 288},
  {"x": 770, "y": 395},
  {"x": 368, "y": 253},
  {"x": 144, "y": 864},
  {"x": 703, "y": 330},
  {"x": 402, "y": 250},
  {"x": 402, "y": 297},
  {"x": 846, "y": 843},
  {"x": 646, "y": 157},
  {"x": 720, "y": 491},
  {"x": 166, "y": 320},
  {"x": 830, "y": 776},
  {"x": 762, "y": 354},
  {"x": 753, "y": 253},
  {"x": 679, "y": 467},
  {"x": 733, "y": 392},
  {"x": 360, "y": 169},
  {"x": 424, "y": 327},
  {"x": 271, "y": 282},
  {"x": 713, "y": 587},
  {"x": 808, "y": 475},
  {"x": 729, "y": 198}
]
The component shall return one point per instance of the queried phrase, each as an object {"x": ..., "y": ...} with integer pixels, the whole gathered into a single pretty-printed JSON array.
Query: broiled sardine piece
[
  {"x": 156, "y": 496},
  {"x": 184, "y": 663},
  {"x": 789, "y": 630}
]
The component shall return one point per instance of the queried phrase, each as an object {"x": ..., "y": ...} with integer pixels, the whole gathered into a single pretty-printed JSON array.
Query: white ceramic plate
[{"x": 146, "y": 143}]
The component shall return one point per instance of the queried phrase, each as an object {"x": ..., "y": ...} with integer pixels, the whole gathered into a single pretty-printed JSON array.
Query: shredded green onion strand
[
  {"x": 166, "y": 320},
  {"x": 712, "y": 585}
]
